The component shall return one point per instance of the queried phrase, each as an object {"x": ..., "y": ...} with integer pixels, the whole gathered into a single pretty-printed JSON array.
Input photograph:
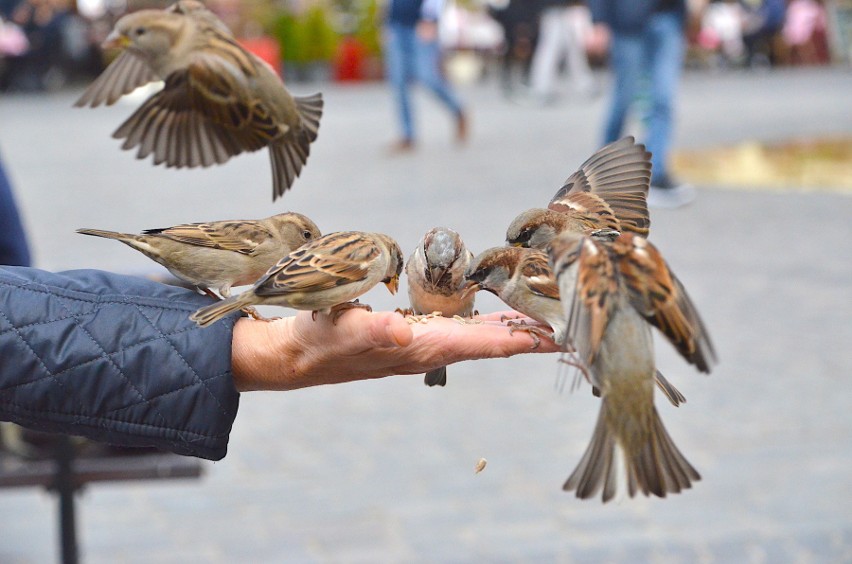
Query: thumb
[{"x": 388, "y": 330}]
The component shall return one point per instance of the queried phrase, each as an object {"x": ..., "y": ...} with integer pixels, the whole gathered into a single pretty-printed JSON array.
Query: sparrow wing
[
  {"x": 328, "y": 262},
  {"x": 126, "y": 73},
  {"x": 538, "y": 275},
  {"x": 238, "y": 236},
  {"x": 620, "y": 174},
  {"x": 661, "y": 299},
  {"x": 593, "y": 300}
]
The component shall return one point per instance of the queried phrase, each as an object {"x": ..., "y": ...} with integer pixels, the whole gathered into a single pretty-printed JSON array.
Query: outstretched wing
[
  {"x": 618, "y": 173},
  {"x": 126, "y": 73},
  {"x": 660, "y": 298}
]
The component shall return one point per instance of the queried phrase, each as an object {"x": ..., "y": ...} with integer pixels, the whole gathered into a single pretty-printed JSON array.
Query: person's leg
[
  {"x": 665, "y": 47},
  {"x": 626, "y": 61},
  {"x": 429, "y": 75},
  {"x": 13, "y": 242},
  {"x": 399, "y": 67},
  {"x": 548, "y": 50},
  {"x": 576, "y": 23}
]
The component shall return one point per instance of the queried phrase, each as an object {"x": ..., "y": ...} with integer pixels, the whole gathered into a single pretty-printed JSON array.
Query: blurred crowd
[{"x": 44, "y": 44}]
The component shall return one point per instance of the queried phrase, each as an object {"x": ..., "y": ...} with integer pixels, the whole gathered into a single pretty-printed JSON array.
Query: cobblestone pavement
[{"x": 383, "y": 471}]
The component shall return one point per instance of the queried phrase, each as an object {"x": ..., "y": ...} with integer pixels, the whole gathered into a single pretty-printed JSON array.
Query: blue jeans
[
  {"x": 407, "y": 58},
  {"x": 13, "y": 244},
  {"x": 647, "y": 66}
]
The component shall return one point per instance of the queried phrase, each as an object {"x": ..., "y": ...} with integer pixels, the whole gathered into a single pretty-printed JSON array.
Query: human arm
[{"x": 114, "y": 358}]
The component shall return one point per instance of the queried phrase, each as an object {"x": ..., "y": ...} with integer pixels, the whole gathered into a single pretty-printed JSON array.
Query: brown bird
[
  {"x": 220, "y": 254},
  {"x": 219, "y": 100},
  {"x": 608, "y": 192},
  {"x": 322, "y": 276},
  {"x": 614, "y": 293},
  {"x": 523, "y": 279},
  {"x": 435, "y": 273}
]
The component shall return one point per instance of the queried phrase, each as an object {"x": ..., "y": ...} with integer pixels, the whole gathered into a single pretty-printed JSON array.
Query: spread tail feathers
[
  {"x": 656, "y": 467},
  {"x": 437, "y": 377}
]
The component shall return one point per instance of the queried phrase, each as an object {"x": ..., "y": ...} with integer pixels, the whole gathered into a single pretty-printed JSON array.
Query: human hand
[{"x": 297, "y": 352}]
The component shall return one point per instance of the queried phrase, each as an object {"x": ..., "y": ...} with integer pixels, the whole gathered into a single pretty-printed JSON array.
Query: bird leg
[
  {"x": 534, "y": 331},
  {"x": 211, "y": 293},
  {"x": 339, "y": 309},
  {"x": 254, "y": 314},
  {"x": 407, "y": 312}
]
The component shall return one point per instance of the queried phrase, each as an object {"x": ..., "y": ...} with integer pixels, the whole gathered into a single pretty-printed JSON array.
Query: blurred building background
[{"x": 44, "y": 44}]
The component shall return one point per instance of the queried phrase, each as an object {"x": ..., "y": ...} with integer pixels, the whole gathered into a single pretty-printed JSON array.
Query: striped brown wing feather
[
  {"x": 594, "y": 299},
  {"x": 620, "y": 173},
  {"x": 238, "y": 236},
  {"x": 539, "y": 275},
  {"x": 660, "y": 298},
  {"x": 328, "y": 262}
]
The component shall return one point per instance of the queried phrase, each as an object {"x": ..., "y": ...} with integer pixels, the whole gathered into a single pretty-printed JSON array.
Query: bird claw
[
  {"x": 339, "y": 309},
  {"x": 407, "y": 312},
  {"x": 254, "y": 314},
  {"x": 535, "y": 332}
]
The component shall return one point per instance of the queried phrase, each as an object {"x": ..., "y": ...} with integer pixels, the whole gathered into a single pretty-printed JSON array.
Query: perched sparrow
[
  {"x": 617, "y": 291},
  {"x": 523, "y": 279},
  {"x": 435, "y": 274},
  {"x": 218, "y": 101},
  {"x": 321, "y": 276},
  {"x": 220, "y": 254},
  {"x": 608, "y": 192}
]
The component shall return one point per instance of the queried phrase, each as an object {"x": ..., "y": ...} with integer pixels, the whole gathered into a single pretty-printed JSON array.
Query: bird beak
[
  {"x": 516, "y": 244},
  {"x": 393, "y": 284},
  {"x": 469, "y": 288},
  {"x": 115, "y": 40},
  {"x": 436, "y": 273}
]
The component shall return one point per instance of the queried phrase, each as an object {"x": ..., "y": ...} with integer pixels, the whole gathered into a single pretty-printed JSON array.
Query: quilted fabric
[{"x": 116, "y": 359}]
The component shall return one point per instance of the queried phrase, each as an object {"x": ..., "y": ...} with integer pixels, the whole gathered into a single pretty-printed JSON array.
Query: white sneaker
[{"x": 671, "y": 196}]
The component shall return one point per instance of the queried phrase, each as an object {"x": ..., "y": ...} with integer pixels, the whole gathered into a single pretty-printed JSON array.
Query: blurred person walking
[
  {"x": 412, "y": 52},
  {"x": 14, "y": 250},
  {"x": 646, "y": 43},
  {"x": 519, "y": 21},
  {"x": 563, "y": 28}
]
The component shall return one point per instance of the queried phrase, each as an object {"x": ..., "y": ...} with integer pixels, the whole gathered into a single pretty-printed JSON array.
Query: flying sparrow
[
  {"x": 435, "y": 273},
  {"x": 220, "y": 254},
  {"x": 608, "y": 192},
  {"x": 219, "y": 100},
  {"x": 523, "y": 279},
  {"x": 321, "y": 276},
  {"x": 613, "y": 294}
]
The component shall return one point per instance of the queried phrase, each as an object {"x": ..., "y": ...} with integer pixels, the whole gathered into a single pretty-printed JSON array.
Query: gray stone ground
[{"x": 383, "y": 471}]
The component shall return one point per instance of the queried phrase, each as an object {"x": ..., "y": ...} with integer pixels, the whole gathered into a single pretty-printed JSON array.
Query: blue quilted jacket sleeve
[{"x": 116, "y": 359}]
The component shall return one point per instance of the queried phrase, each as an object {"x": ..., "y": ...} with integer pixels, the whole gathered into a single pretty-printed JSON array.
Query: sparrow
[
  {"x": 617, "y": 292},
  {"x": 523, "y": 279},
  {"x": 321, "y": 276},
  {"x": 220, "y": 254},
  {"x": 219, "y": 100},
  {"x": 435, "y": 273},
  {"x": 608, "y": 192}
]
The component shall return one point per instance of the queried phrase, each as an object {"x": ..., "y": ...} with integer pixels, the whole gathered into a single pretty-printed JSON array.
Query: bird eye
[
  {"x": 140, "y": 31},
  {"x": 307, "y": 234}
]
